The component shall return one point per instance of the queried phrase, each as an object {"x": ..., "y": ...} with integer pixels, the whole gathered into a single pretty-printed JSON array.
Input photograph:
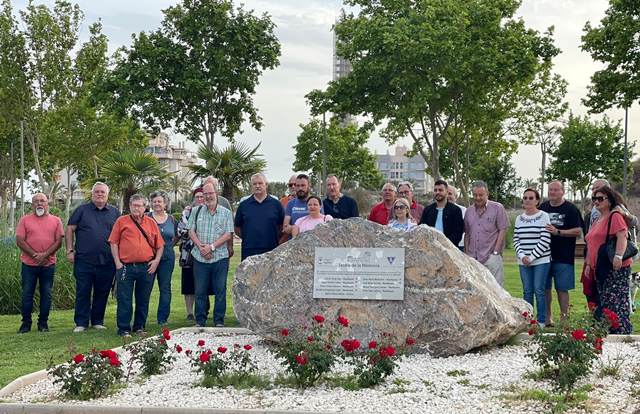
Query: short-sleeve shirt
[
  {"x": 39, "y": 233},
  {"x": 380, "y": 214},
  {"x": 297, "y": 209},
  {"x": 209, "y": 228},
  {"x": 168, "y": 231},
  {"x": 564, "y": 217},
  {"x": 93, "y": 227},
  {"x": 598, "y": 234},
  {"x": 483, "y": 228},
  {"x": 346, "y": 207},
  {"x": 307, "y": 223},
  {"x": 133, "y": 247},
  {"x": 259, "y": 222}
]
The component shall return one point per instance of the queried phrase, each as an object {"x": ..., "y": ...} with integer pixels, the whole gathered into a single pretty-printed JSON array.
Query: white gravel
[{"x": 421, "y": 384}]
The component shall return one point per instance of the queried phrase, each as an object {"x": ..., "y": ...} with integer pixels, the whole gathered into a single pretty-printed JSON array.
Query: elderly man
[
  {"x": 259, "y": 219},
  {"x": 224, "y": 203},
  {"x": 566, "y": 226},
  {"x": 446, "y": 217},
  {"x": 297, "y": 208},
  {"x": 338, "y": 205},
  {"x": 291, "y": 185},
  {"x": 39, "y": 236},
  {"x": 93, "y": 264},
  {"x": 452, "y": 197},
  {"x": 210, "y": 234},
  {"x": 381, "y": 212},
  {"x": 405, "y": 190},
  {"x": 137, "y": 247},
  {"x": 485, "y": 226}
]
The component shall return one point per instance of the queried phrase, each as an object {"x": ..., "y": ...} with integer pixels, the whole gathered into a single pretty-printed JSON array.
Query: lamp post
[{"x": 626, "y": 154}]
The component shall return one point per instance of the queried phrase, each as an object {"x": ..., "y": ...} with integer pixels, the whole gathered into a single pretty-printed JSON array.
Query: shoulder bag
[{"x": 186, "y": 258}]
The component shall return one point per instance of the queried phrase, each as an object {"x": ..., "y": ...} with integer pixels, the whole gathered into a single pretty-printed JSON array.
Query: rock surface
[{"x": 452, "y": 304}]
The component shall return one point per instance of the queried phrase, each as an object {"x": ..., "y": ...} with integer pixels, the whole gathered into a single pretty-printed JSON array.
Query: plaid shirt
[{"x": 211, "y": 227}]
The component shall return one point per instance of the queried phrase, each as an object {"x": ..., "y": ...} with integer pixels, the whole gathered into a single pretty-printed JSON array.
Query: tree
[
  {"x": 347, "y": 156},
  {"x": 615, "y": 43},
  {"x": 198, "y": 72},
  {"x": 588, "y": 150},
  {"x": 418, "y": 65},
  {"x": 233, "y": 166}
]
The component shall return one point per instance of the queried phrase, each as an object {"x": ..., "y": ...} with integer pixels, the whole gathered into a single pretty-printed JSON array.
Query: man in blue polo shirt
[
  {"x": 297, "y": 208},
  {"x": 259, "y": 219},
  {"x": 93, "y": 264},
  {"x": 336, "y": 204}
]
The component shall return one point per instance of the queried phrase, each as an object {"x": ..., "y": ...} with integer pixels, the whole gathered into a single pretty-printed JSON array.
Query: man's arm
[
  {"x": 116, "y": 255},
  {"x": 458, "y": 225},
  {"x": 238, "y": 231},
  {"x": 24, "y": 246},
  {"x": 500, "y": 241},
  {"x": 69, "y": 233},
  {"x": 286, "y": 227}
]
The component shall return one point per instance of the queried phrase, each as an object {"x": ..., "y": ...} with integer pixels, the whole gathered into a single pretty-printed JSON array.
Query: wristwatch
[
  {"x": 213, "y": 247},
  {"x": 618, "y": 256},
  {"x": 496, "y": 253}
]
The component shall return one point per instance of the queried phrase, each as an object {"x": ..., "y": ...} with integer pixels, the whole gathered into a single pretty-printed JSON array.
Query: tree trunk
[{"x": 543, "y": 149}]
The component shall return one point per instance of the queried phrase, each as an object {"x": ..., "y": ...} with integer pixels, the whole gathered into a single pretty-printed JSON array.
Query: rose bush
[
  {"x": 153, "y": 354},
  {"x": 222, "y": 368}
]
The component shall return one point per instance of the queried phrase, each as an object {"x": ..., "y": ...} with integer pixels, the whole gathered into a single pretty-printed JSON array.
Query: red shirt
[
  {"x": 380, "y": 214},
  {"x": 597, "y": 236},
  {"x": 132, "y": 247},
  {"x": 39, "y": 233}
]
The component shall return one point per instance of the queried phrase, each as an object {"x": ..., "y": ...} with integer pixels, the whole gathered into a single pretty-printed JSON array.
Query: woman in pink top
[{"x": 310, "y": 221}]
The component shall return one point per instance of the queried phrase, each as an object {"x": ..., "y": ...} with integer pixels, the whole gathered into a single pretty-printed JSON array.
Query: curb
[{"x": 98, "y": 409}]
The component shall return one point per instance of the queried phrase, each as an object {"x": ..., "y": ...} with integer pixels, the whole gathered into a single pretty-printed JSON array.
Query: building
[
  {"x": 341, "y": 68},
  {"x": 174, "y": 159},
  {"x": 399, "y": 167}
]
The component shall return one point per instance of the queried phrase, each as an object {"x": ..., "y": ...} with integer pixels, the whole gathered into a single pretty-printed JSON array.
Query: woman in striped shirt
[{"x": 532, "y": 243}]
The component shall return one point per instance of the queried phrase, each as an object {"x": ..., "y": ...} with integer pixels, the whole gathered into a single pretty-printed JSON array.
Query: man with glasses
[
  {"x": 446, "y": 217},
  {"x": 405, "y": 190},
  {"x": 291, "y": 194},
  {"x": 336, "y": 204},
  {"x": 381, "y": 212}
]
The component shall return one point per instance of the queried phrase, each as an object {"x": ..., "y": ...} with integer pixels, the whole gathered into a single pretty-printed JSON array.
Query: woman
[
  {"x": 310, "y": 221},
  {"x": 402, "y": 219},
  {"x": 532, "y": 242},
  {"x": 612, "y": 279},
  {"x": 169, "y": 231},
  {"x": 188, "y": 287}
]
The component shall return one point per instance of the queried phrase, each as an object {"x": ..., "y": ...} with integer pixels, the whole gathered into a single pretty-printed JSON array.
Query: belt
[{"x": 136, "y": 263}]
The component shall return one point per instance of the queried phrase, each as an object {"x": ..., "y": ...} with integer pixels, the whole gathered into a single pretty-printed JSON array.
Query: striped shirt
[
  {"x": 530, "y": 238},
  {"x": 211, "y": 227}
]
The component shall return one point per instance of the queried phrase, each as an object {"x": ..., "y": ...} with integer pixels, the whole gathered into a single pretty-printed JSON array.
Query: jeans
[
  {"x": 214, "y": 274},
  {"x": 534, "y": 279},
  {"x": 96, "y": 278},
  {"x": 30, "y": 276},
  {"x": 163, "y": 274},
  {"x": 132, "y": 279}
]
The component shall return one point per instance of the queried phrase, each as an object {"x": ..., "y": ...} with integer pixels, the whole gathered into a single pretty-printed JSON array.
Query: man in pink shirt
[
  {"x": 38, "y": 235},
  {"x": 485, "y": 228}
]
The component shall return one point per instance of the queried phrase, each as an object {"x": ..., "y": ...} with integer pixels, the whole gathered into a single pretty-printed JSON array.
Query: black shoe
[
  {"x": 43, "y": 327},
  {"x": 190, "y": 317},
  {"x": 24, "y": 328}
]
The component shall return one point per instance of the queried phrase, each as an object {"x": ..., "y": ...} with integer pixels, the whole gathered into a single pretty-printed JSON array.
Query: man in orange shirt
[
  {"x": 136, "y": 245},
  {"x": 284, "y": 200}
]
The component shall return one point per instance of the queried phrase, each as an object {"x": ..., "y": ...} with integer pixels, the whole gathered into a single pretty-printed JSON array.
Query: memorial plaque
[{"x": 358, "y": 273}]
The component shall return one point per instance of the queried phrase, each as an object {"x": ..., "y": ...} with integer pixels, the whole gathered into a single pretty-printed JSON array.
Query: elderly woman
[
  {"x": 532, "y": 242},
  {"x": 402, "y": 219},
  {"x": 169, "y": 231},
  {"x": 612, "y": 278},
  {"x": 310, "y": 221}
]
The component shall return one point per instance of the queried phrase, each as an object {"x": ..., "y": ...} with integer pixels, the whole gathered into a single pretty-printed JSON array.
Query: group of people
[{"x": 128, "y": 253}]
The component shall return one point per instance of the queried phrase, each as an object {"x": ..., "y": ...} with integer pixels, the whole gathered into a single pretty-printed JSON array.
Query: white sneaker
[
  {"x": 79, "y": 329},
  {"x": 99, "y": 327}
]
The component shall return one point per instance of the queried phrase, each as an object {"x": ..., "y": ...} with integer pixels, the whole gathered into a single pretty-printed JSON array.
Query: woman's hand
[{"x": 617, "y": 263}]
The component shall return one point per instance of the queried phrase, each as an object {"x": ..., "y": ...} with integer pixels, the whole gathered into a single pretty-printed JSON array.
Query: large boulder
[{"x": 452, "y": 304}]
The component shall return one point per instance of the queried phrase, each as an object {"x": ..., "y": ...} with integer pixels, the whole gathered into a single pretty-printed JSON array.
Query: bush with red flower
[
  {"x": 224, "y": 367},
  {"x": 88, "y": 376},
  {"x": 567, "y": 355},
  {"x": 153, "y": 354}
]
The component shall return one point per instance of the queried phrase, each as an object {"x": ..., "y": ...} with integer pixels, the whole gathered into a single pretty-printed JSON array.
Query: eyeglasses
[
  {"x": 400, "y": 207},
  {"x": 291, "y": 185},
  {"x": 528, "y": 198},
  {"x": 599, "y": 199}
]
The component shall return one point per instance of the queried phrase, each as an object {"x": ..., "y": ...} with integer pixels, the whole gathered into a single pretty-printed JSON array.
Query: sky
[{"x": 304, "y": 30}]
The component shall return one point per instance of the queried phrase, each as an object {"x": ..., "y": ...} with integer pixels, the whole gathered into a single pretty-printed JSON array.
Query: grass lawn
[{"x": 23, "y": 354}]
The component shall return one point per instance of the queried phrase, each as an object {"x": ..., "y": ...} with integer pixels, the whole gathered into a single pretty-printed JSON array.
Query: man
[
  {"x": 224, "y": 203},
  {"x": 284, "y": 200},
  {"x": 259, "y": 219},
  {"x": 93, "y": 264},
  {"x": 446, "y": 217},
  {"x": 297, "y": 208},
  {"x": 566, "y": 226},
  {"x": 452, "y": 197},
  {"x": 338, "y": 205},
  {"x": 381, "y": 212},
  {"x": 405, "y": 190},
  {"x": 485, "y": 226},
  {"x": 210, "y": 234},
  {"x": 136, "y": 246},
  {"x": 39, "y": 236}
]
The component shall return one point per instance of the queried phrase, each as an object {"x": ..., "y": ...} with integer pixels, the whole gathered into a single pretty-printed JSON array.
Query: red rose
[
  {"x": 350, "y": 345},
  {"x": 533, "y": 322},
  {"x": 531, "y": 331},
  {"x": 388, "y": 351},
  {"x": 373, "y": 345},
  {"x": 162, "y": 341},
  {"x": 410, "y": 341},
  {"x": 525, "y": 314},
  {"x": 201, "y": 342},
  {"x": 187, "y": 352},
  {"x": 222, "y": 349},
  {"x": 208, "y": 351},
  {"x": 78, "y": 358},
  {"x": 309, "y": 338},
  {"x": 247, "y": 347},
  {"x": 284, "y": 332},
  {"x": 204, "y": 357},
  {"x": 178, "y": 348},
  {"x": 598, "y": 344},
  {"x": 114, "y": 362},
  {"x": 343, "y": 321},
  {"x": 318, "y": 318},
  {"x": 355, "y": 344},
  {"x": 579, "y": 335},
  {"x": 592, "y": 306},
  {"x": 302, "y": 359},
  {"x": 108, "y": 353},
  {"x": 165, "y": 334}
]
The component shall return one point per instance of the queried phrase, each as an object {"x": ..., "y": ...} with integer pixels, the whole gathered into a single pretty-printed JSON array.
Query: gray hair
[
  {"x": 97, "y": 183},
  {"x": 256, "y": 175},
  {"x": 479, "y": 184},
  {"x": 602, "y": 180},
  {"x": 407, "y": 183},
  {"x": 137, "y": 197},
  {"x": 211, "y": 180},
  {"x": 334, "y": 176},
  {"x": 162, "y": 194},
  {"x": 386, "y": 184}
]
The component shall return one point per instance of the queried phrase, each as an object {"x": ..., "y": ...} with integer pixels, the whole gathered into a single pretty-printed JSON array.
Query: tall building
[
  {"x": 174, "y": 159},
  {"x": 341, "y": 67},
  {"x": 399, "y": 167}
]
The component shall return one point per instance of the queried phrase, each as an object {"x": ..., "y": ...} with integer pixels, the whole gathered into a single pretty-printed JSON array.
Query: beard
[
  {"x": 439, "y": 197},
  {"x": 40, "y": 211},
  {"x": 302, "y": 195}
]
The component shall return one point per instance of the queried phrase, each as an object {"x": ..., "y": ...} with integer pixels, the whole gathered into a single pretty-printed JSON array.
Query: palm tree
[
  {"x": 129, "y": 171},
  {"x": 178, "y": 186},
  {"x": 232, "y": 166}
]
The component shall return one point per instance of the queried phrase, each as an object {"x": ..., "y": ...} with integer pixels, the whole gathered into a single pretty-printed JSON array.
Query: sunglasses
[
  {"x": 399, "y": 207},
  {"x": 599, "y": 199},
  {"x": 291, "y": 185},
  {"x": 528, "y": 198}
]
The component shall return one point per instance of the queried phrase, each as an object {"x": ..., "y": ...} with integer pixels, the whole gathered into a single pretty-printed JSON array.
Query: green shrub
[{"x": 64, "y": 284}]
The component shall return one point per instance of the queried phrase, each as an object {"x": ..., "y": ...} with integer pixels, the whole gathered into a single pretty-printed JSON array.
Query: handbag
[
  {"x": 186, "y": 258},
  {"x": 631, "y": 249}
]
